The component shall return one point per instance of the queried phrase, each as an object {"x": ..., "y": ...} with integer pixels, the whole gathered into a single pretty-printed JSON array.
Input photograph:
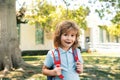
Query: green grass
[
  {"x": 101, "y": 54},
  {"x": 31, "y": 58},
  {"x": 96, "y": 67},
  {"x": 104, "y": 68}
]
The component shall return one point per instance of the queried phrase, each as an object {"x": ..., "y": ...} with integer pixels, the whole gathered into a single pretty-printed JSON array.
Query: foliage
[
  {"x": 116, "y": 18},
  {"x": 103, "y": 27},
  {"x": 109, "y": 10},
  {"x": 114, "y": 30},
  {"x": 42, "y": 13},
  {"x": 20, "y": 15},
  {"x": 48, "y": 15},
  {"x": 79, "y": 16},
  {"x": 108, "y": 7}
]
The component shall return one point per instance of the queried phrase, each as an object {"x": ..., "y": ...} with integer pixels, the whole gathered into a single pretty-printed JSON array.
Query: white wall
[{"x": 27, "y": 39}]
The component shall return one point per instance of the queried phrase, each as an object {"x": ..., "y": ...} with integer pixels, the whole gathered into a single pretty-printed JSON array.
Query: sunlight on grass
[
  {"x": 97, "y": 66},
  {"x": 33, "y": 58},
  {"x": 101, "y": 54}
]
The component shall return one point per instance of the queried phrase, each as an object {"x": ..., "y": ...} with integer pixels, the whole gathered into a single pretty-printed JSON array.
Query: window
[
  {"x": 101, "y": 35},
  {"x": 18, "y": 31},
  {"x": 39, "y": 34},
  {"x": 106, "y": 37}
]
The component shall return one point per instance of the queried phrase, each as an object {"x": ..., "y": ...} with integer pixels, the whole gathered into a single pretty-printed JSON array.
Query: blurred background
[{"x": 98, "y": 21}]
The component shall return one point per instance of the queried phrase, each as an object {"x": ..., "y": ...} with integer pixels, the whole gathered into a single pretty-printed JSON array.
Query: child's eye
[
  {"x": 65, "y": 34},
  {"x": 72, "y": 35}
]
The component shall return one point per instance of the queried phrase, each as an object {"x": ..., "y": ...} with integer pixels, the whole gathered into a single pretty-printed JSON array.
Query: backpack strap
[
  {"x": 57, "y": 61},
  {"x": 75, "y": 55}
]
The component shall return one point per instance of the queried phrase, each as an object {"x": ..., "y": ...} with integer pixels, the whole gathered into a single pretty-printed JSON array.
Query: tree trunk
[{"x": 10, "y": 54}]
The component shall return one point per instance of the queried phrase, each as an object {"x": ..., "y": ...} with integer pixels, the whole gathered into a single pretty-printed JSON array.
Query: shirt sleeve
[
  {"x": 49, "y": 60},
  {"x": 80, "y": 56}
]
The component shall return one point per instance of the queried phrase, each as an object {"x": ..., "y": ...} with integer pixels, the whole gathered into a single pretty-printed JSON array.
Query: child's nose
[{"x": 69, "y": 37}]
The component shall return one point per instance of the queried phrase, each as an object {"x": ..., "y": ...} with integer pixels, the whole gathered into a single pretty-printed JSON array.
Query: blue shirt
[{"x": 67, "y": 63}]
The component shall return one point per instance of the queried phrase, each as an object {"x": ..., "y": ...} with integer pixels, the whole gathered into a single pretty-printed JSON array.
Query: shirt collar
[{"x": 63, "y": 51}]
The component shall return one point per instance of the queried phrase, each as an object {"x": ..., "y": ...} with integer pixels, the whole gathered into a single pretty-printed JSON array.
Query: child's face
[{"x": 68, "y": 39}]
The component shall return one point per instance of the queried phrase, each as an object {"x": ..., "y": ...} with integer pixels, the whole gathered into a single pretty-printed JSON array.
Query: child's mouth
[{"x": 68, "y": 42}]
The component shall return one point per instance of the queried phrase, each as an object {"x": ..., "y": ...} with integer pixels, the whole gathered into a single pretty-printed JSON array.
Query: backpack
[{"x": 57, "y": 62}]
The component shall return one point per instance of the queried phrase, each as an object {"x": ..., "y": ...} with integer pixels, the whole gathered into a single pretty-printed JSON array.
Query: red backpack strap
[
  {"x": 57, "y": 61},
  {"x": 75, "y": 55}
]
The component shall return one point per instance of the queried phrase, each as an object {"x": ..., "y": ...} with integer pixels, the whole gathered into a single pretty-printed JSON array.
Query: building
[
  {"x": 32, "y": 38},
  {"x": 94, "y": 38}
]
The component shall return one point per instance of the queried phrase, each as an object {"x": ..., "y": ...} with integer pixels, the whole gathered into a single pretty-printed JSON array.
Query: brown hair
[{"x": 66, "y": 26}]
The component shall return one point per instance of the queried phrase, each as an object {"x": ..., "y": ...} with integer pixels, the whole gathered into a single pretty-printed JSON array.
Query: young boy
[{"x": 65, "y": 41}]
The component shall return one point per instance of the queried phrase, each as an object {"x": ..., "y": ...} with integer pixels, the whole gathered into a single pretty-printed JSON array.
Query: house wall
[
  {"x": 27, "y": 39},
  {"x": 104, "y": 46},
  {"x": 87, "y": 38}
]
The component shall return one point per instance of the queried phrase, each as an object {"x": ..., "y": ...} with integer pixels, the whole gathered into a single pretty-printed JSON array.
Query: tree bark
[{"x": 10, "y": 53}]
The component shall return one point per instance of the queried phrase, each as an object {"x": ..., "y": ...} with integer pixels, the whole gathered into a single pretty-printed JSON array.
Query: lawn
[{"x": 96, "y": 67}]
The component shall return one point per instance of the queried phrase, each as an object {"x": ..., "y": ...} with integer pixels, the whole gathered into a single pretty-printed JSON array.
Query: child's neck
[{"x": 65, "y": 48}]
